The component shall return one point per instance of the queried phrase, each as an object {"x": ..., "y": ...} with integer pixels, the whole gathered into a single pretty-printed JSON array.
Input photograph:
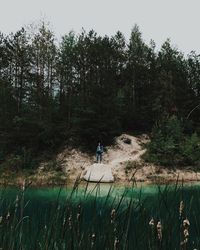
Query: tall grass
[{"x": 168, "y": 220}]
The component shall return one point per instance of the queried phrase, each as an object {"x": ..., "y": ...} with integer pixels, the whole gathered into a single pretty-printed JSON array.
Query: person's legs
[
  {"x": 97, "y": 157},
  {"x": 100, "y": 158}
]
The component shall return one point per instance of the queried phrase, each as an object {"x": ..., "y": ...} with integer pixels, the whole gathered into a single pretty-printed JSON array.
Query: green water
[{"x": 47, "y": 208}]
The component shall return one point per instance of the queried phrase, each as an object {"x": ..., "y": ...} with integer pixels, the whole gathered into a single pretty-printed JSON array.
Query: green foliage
[
  {"x": 90, "y": 88},
  {"x": 190, "y": 150},
  {"x": 19, "y": 161},
  {"x": 169, "y": 146}
]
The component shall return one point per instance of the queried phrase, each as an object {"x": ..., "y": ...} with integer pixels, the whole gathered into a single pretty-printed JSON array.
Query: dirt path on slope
[{"x": 126, "y": 148}]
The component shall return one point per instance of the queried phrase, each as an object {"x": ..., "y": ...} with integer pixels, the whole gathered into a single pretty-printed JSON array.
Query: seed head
[
  {"x": 93, "y": 236},
  {"x": 70, "y": 221},
  {"x": 8, "y": 216},
  {"x": 186, "y": 223},
  {"x": 112, "y": 215},
  {"x": 78, "y": 216},
  {"x": 116, "y": 243},
  {"x": 186, "y": 233},
  {"x": 159, "y": 230},
  {"x": 181, "y": 208},
  {"x": 151, "y": 222}
]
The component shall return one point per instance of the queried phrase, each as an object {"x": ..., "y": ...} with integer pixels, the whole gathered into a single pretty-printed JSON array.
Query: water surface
[{"x": 43, "y": 208}]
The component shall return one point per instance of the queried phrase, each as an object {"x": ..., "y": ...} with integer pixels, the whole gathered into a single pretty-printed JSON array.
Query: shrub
[
  {"x": 190, "y": 150},
  {"x": 130, "y": 165},
  {"x": 169, "y": 146},
  {"x": 20, "y": 160}
]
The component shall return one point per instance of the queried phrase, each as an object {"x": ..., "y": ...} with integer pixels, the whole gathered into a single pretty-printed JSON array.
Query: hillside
[
  {"x": 124, "y": 160},
  {"x": 122, "y": 164}
]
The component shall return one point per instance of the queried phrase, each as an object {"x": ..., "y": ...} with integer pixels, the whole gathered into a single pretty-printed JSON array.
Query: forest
[{"x": 87, "y": 88}]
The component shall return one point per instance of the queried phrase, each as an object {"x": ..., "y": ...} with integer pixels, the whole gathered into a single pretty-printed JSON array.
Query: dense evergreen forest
[{"x": 89, "y": 87}]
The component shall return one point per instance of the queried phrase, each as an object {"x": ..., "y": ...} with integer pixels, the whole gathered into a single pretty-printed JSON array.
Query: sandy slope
[
  {"x": 126, "y": 148},
  {"x": 124, "y": 161},
  {"x": 123, "y": 151},
  {"x": 76, "y": 163}
]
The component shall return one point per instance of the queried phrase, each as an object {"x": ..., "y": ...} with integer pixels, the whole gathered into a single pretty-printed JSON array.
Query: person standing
[{"x": 99, "y": 153}]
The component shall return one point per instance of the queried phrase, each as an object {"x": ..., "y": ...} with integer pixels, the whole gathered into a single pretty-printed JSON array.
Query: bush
[
  {"x": 20, "y": 160},
  {"x": 132, "y": 165},
  {"x": 190, "y": 150},
  {"x": 169, "y": 146},
  {"x": 14, "y": 163}
]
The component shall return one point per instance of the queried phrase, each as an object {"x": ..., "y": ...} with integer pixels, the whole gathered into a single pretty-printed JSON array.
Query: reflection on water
[
  {"x": 83, "y": 192},
  {"x": 41, "y": 200}
]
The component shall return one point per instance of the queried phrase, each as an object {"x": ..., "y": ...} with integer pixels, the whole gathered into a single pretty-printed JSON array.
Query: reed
[{"x": 169, "y": 220}]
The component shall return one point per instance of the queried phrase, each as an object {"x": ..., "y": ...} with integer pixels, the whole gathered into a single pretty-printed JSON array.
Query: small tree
[{"x": 169, "y": 145}]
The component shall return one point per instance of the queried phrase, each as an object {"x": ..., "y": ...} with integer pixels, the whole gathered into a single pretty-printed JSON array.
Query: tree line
[{"x": 89, "y": 87}]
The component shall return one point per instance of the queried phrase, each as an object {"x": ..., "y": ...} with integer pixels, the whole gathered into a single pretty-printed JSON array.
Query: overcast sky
[{"x": 157, "y": 19}]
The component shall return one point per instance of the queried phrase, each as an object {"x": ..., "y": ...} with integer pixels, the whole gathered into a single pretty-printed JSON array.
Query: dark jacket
[{"x": 99, "y": 149}]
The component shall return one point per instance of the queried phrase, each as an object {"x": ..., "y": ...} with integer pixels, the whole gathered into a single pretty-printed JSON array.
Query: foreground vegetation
[
  {"x": 168, "y": 220},
  {"x": 88, "y": 88}
]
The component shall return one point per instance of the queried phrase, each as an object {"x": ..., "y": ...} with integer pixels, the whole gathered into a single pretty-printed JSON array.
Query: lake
[{"x": 99, "y": 217}]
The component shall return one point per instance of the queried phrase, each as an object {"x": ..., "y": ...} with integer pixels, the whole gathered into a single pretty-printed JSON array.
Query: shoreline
[{"x": 63, "y": 180}]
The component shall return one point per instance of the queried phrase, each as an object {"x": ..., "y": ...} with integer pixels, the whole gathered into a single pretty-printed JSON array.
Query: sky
[{"x": 158, "y": 19}]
